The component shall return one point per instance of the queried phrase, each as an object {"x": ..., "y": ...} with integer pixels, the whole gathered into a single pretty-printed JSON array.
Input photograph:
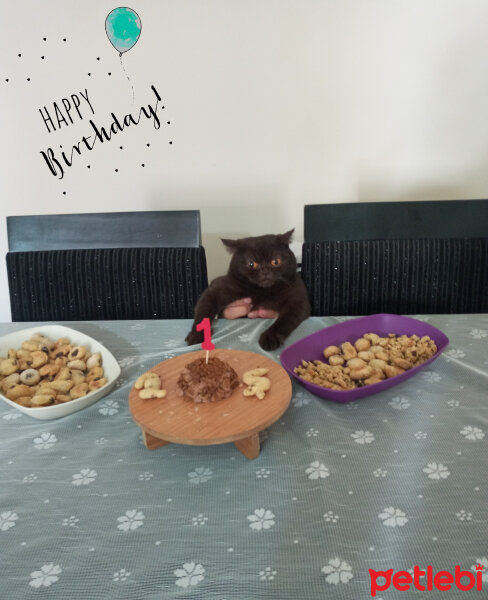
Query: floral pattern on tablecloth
[{"x": 394, "y": 480}]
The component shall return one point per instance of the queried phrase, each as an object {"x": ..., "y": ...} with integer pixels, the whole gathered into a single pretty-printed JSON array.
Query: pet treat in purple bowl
[{"x": 363, "y": 356}]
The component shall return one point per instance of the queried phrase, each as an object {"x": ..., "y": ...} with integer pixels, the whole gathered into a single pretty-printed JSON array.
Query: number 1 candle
[{"x": 207, "y": 336}]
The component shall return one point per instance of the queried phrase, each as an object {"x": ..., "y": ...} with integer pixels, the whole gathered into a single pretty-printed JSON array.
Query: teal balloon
[{"x": 123, "y": 27}]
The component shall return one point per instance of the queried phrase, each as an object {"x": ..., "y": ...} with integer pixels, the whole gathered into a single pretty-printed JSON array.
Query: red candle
[{"x": 207, "y": 335}]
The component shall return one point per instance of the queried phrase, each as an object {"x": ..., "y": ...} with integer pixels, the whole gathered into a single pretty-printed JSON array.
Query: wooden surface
[{"x": 173, "y": 419}]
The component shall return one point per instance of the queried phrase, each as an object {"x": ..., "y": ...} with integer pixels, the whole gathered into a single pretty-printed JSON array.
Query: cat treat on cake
[{"x": 264, "y": 269}]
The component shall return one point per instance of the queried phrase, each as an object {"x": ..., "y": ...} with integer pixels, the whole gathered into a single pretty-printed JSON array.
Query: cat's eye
[
  {"x": 252, "y": 264},
  {"x": 276, "y": 262}
]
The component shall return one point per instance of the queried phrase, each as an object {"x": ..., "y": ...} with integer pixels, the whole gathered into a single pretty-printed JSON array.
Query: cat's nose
[{"x": 266, "y": 280}]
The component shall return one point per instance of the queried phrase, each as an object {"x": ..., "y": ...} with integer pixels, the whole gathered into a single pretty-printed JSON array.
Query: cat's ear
[
  {"x": 230, "y": 245},
  {"x": 285, "y": 238}
]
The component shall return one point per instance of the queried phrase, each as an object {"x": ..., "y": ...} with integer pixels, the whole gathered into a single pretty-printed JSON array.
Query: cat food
[
  {"x": 202, "y": 382},
  {"x": 149, "y": 386},
  {"x": 44, "y": 372},
  {"x": 257, "y": 383},
  {"x": 369, "y": 360}
]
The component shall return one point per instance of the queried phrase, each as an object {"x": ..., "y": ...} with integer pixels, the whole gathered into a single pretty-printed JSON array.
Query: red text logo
[{"x": 441, "y": 580}]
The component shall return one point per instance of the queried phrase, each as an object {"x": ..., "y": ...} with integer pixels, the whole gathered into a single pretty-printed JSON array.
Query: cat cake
[
  {"x": 207, "y": 382},
  {"x": 264, "y": 269}
]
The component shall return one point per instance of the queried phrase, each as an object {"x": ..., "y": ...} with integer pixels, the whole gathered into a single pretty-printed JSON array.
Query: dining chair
[
  {"x": 125, "y": 265},
  {"x": 396, "y": 257}
]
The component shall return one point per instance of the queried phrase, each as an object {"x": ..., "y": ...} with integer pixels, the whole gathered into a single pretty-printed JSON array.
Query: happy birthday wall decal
[
  {"x": 57, "y": 163},
  {"x": 123, "y": 29}
]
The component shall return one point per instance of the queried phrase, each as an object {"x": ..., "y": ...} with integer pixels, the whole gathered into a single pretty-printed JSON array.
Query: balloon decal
[{"x": 123, "y": 28}]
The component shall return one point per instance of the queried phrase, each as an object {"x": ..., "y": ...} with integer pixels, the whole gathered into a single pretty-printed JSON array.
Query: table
[
  {"x": 391, "y": 481},
  {"x": 239, "y": 419}
]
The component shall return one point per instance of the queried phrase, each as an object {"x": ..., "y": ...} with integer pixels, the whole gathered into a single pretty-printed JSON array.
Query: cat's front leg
[
  {"x": 211, "y": 303},
  {"x": 276, "y": 335},
  {"x": 206, "y": 307}
]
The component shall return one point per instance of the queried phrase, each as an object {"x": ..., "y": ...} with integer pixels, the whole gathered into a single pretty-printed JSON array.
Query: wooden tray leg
[
  {"x": 249, "y": 446},
  {"x": 152, "y": 442}
]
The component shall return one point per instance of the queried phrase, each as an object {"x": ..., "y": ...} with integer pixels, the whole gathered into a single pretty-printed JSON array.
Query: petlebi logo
[{"x": 440, "y": 580}]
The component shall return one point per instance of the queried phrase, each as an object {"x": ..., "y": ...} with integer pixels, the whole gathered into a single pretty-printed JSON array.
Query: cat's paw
[
  {"x": 194, "y": 337},
  {"x": 270, "y": 340}
]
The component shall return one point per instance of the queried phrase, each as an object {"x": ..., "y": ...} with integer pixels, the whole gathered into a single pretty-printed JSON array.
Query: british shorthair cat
[{"x": 264, "y": 269}]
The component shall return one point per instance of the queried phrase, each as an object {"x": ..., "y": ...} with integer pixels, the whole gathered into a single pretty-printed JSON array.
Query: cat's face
[{"x": 262, "y": 261}]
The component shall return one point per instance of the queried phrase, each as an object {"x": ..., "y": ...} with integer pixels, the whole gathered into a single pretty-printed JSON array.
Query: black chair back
[
  {"x": 158, "y": 273},
  {"x": 441, "y": 268}
]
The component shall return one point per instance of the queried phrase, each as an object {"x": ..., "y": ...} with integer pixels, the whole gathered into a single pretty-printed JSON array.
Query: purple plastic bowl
[{"x": 311, "y": 347}]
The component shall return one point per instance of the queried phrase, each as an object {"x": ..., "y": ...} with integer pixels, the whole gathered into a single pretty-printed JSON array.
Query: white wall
[{"x": 273, "y": 104}]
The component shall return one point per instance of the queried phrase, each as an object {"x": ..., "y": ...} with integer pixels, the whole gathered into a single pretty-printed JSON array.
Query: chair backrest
[
  {"x": 358, "y": 259},
  {"x": 441, "y": 219},
  {"x": 145, "y": 229},
  {"x": 141, "y": 265}
]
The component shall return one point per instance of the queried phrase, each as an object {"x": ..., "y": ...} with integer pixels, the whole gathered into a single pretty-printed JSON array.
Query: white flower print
[
  {"x": 483, "y": 562},
  {"x": 317, "y": 470},
  {"x": 399, "y": 402},
  {"x": 437, "y": 471},
  {"x": 453, "y": 403},
  {"x": 167, "y": 355},
  {"x": 431, "y": 377},
  {"x": 168, "y": 344},
  {"x": 45, "y": 441},
  {"x": 200, "y": 475},
  {"x": 455, "y": 353},
  {"x": 131, "y": 520},
  {"x": 352, "y": 406},
  {"x": 109, "y": 408},
  {"x": 7, "y": 520},
  {"x": 261, "y": 519},
  {"x": 71, "y": 522},
  {"x": 463, "y": 515},
  {"x": 30, "y": 478},
  {"x": 145, "y": 476},
  {"x": 245, "y": 338},
  {"x": 84, "y": 477},
  {"x": 136, "y": 344},
  {"x": 101, "y": 441},
  {"x": 472, "y": 433},
  {"x": 420, "y": 435},
  {"x": 189, "y": 574},
  {"x": 380, "y": 472},
  {"x": 138, "y": 326},
  {"x": 312, "y": 432},
  {"x": 392, "y": 517},
  {"x": 300, "y": 399},
  {"x": 478, "y": 334},
  {"x": 127, "y": 361},
  {"x": 330, "y": 517},
  {"x": 12, "y": 415},
  {"x": 267, "y": 575},
  {"x": 199, "y": 520},
  {"x": 363, "y": 437},
  {"x": 46, "y": 576},
  {"x": 262, "y": 473},
  {"x": 121, "y": 575},
  {"x": 337, "y": 571}
]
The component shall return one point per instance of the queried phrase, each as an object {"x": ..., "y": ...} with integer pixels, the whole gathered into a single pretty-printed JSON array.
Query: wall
[{"x": 272, "y": 104}]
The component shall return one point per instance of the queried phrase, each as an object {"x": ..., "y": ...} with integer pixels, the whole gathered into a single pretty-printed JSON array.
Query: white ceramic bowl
[{"x": 53, "y": 332}]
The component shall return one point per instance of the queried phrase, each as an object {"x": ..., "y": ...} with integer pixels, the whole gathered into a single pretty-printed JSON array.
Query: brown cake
[{"x": 202, "y": 382}]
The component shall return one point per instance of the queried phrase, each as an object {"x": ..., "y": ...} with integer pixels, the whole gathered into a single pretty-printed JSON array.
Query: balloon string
[{"x": 128, "y": 79}]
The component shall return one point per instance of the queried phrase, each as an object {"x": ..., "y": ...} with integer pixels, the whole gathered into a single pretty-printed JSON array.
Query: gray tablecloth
[{"x": 395, "y": 480}]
